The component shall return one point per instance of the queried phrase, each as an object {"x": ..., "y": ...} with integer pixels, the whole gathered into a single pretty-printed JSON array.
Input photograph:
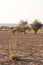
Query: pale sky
[{"x": 12, "y": 11}]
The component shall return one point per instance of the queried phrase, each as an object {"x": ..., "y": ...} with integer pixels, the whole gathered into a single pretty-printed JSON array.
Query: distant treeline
[{"x": 23, "y": 26}]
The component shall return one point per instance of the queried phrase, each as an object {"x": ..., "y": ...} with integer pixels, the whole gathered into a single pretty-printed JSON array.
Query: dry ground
[{"x": 29, "y": 44}]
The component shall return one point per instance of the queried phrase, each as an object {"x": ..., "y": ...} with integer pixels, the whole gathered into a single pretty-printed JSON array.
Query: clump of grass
[{"x": 14, "y": 56}]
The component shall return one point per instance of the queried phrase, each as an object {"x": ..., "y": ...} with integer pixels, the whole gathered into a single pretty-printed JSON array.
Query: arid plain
[{"x": 29, "y": 45}]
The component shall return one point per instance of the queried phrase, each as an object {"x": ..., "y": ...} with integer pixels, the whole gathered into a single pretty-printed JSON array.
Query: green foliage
[{"x": 36, "y": 26}]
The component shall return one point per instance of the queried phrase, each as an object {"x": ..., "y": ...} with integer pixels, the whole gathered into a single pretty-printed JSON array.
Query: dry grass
[{"x": 14, "y": 56}]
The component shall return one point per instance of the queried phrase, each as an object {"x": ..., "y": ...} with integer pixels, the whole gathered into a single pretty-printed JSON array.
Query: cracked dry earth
[{"x": 29, "y": 45}]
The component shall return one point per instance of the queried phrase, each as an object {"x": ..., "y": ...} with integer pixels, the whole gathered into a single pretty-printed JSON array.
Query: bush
[
  {"x": 36, "y": 26},
  {"x": 14, "y": 56}
]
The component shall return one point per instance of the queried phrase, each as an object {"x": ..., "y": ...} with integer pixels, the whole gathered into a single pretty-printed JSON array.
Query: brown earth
[{"x": 29, "y": 45}]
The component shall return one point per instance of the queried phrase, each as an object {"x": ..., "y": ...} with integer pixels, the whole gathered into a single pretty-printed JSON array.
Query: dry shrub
[{"x": 14, "y": 56}]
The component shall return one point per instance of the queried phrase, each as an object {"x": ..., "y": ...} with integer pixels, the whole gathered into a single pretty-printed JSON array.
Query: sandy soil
[{"x": 29, "y": 45}]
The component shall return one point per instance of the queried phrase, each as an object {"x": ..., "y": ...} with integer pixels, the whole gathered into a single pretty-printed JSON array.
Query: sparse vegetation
[{"x": 22, "y": 27}]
